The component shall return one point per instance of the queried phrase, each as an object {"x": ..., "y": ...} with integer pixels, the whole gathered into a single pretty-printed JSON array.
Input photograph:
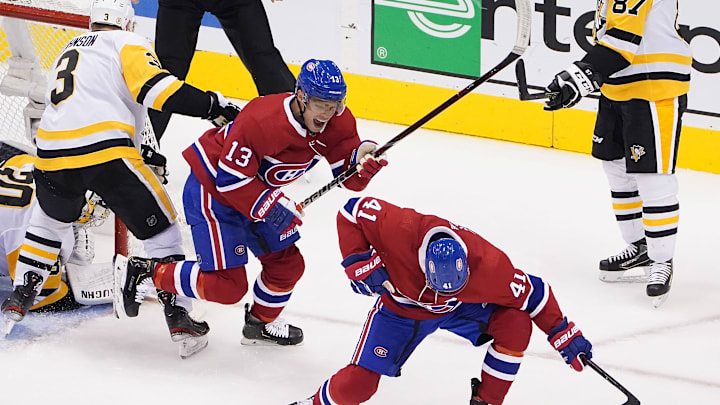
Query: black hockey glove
[
  {"x": 570, "y": 85},
  {"x": 156, "y": 161},
  {"x": 221, "y": 111}
]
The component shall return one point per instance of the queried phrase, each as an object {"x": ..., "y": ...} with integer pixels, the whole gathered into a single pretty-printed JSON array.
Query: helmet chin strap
[{"x": 302, "y": 107}]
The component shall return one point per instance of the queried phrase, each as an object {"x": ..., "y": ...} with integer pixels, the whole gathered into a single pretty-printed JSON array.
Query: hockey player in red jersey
[
  {"x": 432, "y": 274},
  {"x": 233, "y": 199}
]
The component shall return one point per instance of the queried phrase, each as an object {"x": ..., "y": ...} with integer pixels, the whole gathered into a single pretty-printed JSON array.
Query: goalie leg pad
[{"x": 92, "y": 284}]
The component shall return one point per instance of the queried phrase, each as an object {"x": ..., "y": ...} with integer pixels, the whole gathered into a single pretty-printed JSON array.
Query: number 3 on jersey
[
  {"x": 65, "y": 77},
  {"x": 369, "y": 205}
]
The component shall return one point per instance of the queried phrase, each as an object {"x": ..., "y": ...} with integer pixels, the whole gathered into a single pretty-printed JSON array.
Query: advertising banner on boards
[
  {"x": 441, "y": 36},
  {"x": 428, "y": 35}
]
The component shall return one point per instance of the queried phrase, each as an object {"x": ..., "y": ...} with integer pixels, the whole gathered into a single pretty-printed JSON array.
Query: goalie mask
[
  {"x": 118, "y": 13},
  {"x": 446, "y": 267}
]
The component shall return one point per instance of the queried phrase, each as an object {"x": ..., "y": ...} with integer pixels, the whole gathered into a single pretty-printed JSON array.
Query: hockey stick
[
  {"x": 522, "y": 40},
  {"x": 631, "y": 400},
  {"x": 523, "y": 87}
]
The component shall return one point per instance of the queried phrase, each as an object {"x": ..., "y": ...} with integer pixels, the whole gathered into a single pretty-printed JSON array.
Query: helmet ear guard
[{"x": 446, "y": 266}]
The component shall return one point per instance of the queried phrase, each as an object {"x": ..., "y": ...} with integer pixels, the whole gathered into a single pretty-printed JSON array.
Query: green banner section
[{"x": 440, "y": 36}]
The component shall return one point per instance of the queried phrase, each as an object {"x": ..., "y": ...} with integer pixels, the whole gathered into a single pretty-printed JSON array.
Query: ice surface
[{"x": 548, "y": 210}]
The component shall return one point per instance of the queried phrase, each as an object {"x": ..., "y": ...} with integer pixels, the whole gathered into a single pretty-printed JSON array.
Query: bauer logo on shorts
[
  {"x": 239, "y": 250},
  {"x": 637, "y": 152},
  {"x": 380, "y": 351}
]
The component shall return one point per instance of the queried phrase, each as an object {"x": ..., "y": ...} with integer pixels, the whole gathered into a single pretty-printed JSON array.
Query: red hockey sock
[
  {"x": 350, "y": 386},
  {"x": 226, "y": 286},
  {"x": 273, "y": 287}
]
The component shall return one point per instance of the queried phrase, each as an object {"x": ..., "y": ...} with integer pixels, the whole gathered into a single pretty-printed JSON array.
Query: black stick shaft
[
  {"x": 631, "y": 399},
  {"x": 412, "y": 128}
]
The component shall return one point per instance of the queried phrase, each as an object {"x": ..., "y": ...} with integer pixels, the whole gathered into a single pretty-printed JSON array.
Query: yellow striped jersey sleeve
[{"x": 149, "y": 84}]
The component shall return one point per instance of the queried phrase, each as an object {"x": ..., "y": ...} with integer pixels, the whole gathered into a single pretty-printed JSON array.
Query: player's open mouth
[{"x": 318, "y": 123}]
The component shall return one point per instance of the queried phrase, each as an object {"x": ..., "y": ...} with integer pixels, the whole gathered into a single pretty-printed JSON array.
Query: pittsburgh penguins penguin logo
[{"x": 637, "y": 151}]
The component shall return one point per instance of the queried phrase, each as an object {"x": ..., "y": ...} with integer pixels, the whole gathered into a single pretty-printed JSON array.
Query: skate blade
[
  {"x": 659, "y": 300},
  {"x": 261, "y": 342},
  {"x": 627, "y": 276},
  {"x": 190, "y": 345},
  {"x": 119, "y": 274},
  {"x": 11, "y": 318},
  {"x": 9, "y": 325}
]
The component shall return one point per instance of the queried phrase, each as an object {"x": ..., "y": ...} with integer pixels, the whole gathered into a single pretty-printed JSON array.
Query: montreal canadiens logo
[
  {"x": 284, "y": 173},
  {"x": 239, "y": 250},
  {"x": 380, "y": 351},
  {"x": 310, "y": 66}
]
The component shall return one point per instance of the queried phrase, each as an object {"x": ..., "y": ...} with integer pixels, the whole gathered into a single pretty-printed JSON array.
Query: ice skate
[
  {"x": 132, "y": 281},
  {"x": 306, "y": 401},
  {"x": 659, "y": 282},
  {"x": 19, "y": 302},
  {"x": 277, "y": 332},
  {"x": 614, "y": 268},
  {"x": 189, "y": 334},
  {"x": 474, "y": 387}
]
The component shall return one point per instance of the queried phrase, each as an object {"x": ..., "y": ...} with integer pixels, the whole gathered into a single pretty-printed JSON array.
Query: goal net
[{"x": 32, "y": 34}]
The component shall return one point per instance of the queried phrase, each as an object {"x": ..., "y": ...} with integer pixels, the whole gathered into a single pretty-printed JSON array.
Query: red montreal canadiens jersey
[
  {"x": 400, "y": 236},
  {"x": 266, "y": 148}
]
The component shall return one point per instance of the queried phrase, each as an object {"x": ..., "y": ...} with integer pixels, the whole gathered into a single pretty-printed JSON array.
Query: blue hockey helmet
[
  {"x": 446, "y": 267},
  {"x": 321, "y": 79}
]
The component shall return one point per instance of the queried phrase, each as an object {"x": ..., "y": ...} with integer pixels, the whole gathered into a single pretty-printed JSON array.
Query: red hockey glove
[
  {"x": 567, "y": 339},
  {"x": 368, "y": 165},
  {"x": 367, "y": 273},
  {"x": 276, "y": 210}
]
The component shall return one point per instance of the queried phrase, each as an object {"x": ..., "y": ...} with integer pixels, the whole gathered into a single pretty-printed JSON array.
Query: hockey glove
[
  {"x": 276, "y": 210},
  {"x": 367, "y": 164},
  {"x": 367, "y": 273},
  {"x": 569, "y": 86},
  {"x": 156, "y": 161},
  {"x": 567, "y": 339},
  {"x": 221, "y": 111}
]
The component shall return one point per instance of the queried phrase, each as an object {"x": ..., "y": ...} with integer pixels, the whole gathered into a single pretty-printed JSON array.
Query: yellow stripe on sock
[
  {"x": 39, "y": 252},
  {"x": 661, "y": 221},
  {"x": 627, "y": 206}
]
